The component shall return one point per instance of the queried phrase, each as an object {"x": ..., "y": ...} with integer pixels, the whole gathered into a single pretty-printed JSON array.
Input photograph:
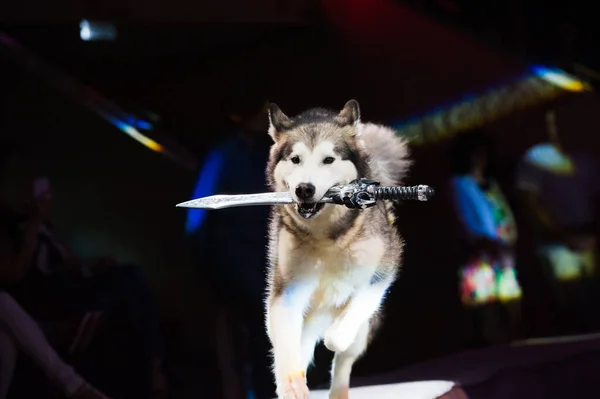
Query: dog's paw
[
  {"x": 294, "y": 387},
  {"x": 338, "y": 339}
]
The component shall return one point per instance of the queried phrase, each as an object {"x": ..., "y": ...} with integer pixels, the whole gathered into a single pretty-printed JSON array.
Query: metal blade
[{"x": 228, "y": 201}]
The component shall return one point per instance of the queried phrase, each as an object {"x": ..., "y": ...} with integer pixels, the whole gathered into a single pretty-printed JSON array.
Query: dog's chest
[{"x": 338, "y": 277}]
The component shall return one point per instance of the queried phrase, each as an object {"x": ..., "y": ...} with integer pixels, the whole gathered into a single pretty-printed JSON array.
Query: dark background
[{"x": 178, "y": 58}]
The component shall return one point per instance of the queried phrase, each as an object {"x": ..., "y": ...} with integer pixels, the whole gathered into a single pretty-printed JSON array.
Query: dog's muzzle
[{"x": 308, "y": 209}]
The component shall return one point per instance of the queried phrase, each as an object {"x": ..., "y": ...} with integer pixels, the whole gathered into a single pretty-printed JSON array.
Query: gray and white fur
[{"x": 329, "y": 266}]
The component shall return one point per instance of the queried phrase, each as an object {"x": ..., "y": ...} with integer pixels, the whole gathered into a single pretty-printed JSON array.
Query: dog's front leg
[
  {"x": 285, "y": 319},
  {"x": 363, "y": 304}
]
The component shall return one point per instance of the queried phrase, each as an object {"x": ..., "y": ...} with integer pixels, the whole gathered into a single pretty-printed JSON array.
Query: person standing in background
[
  {"x": 230, "y": 245},
  {"x": 489, "y": 289},
  {"x": 559, "y": 188},
  {"x": 19, "y": 332},
  {"x": 52, "y": 284}
]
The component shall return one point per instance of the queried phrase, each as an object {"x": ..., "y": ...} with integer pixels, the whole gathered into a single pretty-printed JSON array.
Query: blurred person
[
  {"x": 230, "y": 245},
  {"x": 52, "y": 284},
  {"x": 18, "y": 331},
  {"x": 488, "y": 284},
  {"x": 559, "y": 187}
]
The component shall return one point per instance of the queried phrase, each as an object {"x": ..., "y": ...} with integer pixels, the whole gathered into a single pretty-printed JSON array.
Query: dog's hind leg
[{"x": 343, "y": 362}]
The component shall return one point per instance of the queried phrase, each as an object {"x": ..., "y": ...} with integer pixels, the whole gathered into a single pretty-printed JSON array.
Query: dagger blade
[{"x": 229, "y": 201}]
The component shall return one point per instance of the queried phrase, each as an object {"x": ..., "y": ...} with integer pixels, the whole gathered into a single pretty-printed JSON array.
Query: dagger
[{"x": 358, "y": 194}]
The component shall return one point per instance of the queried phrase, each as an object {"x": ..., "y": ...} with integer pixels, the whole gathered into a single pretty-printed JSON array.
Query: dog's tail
[{"x": 388, "y": 153}]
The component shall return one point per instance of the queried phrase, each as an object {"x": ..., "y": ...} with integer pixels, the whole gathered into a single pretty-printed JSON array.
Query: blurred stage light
[
  {"x": 560, "y": 78},
  {"x": 547, "y": 156},
  {"x": 540, "y": 84},
  {"x": 92, "y": 31},
  {"x": 136, "y": 135},
  {"x": 139, "y": 123}
]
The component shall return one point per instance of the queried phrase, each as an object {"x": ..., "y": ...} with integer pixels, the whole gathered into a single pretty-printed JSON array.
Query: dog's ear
[
  {"x": 349, "y": 115},
  {"x": 279, "y": 122}
]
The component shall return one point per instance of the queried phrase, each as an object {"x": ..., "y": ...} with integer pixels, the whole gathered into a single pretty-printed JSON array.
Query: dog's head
[{"x": 313, "y": 152}]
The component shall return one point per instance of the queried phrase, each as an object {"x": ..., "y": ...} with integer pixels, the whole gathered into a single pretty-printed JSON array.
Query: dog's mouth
[{"x": 309, "y": 209}]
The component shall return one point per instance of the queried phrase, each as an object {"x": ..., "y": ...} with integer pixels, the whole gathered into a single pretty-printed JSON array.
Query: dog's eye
[
  {"x": 328, "y": 160},
  {"x": 295, "y": 159}
]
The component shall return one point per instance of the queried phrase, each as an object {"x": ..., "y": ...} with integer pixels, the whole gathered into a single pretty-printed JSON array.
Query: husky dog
[{"x": 330, "y": 266}]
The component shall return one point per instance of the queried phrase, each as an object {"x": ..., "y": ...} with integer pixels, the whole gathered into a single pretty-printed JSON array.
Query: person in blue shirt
[
  {"x": 489, "y": 289},
  {"x": 230, "y": 244}
]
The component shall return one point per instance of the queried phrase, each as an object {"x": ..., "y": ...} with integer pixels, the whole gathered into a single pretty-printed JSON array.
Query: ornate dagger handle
[{"x": 364, "y": 193}]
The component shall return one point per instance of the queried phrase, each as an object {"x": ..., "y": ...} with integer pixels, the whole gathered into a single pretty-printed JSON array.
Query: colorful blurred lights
[
  {"x": 484, "y": 281},
  {"x": 559, "y": 78},
  {"x": 139, "y": 137}
]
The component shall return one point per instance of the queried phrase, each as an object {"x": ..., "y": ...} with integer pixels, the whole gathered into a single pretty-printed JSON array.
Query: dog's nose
[{"x": 305, "y": 191}]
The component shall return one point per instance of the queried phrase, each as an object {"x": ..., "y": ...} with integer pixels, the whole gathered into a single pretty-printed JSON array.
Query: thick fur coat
[{"x": 329, "y": 266}]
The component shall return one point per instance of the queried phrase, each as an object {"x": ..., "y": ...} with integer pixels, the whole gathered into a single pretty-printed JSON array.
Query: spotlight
[{"x": 93, "y": 31}]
